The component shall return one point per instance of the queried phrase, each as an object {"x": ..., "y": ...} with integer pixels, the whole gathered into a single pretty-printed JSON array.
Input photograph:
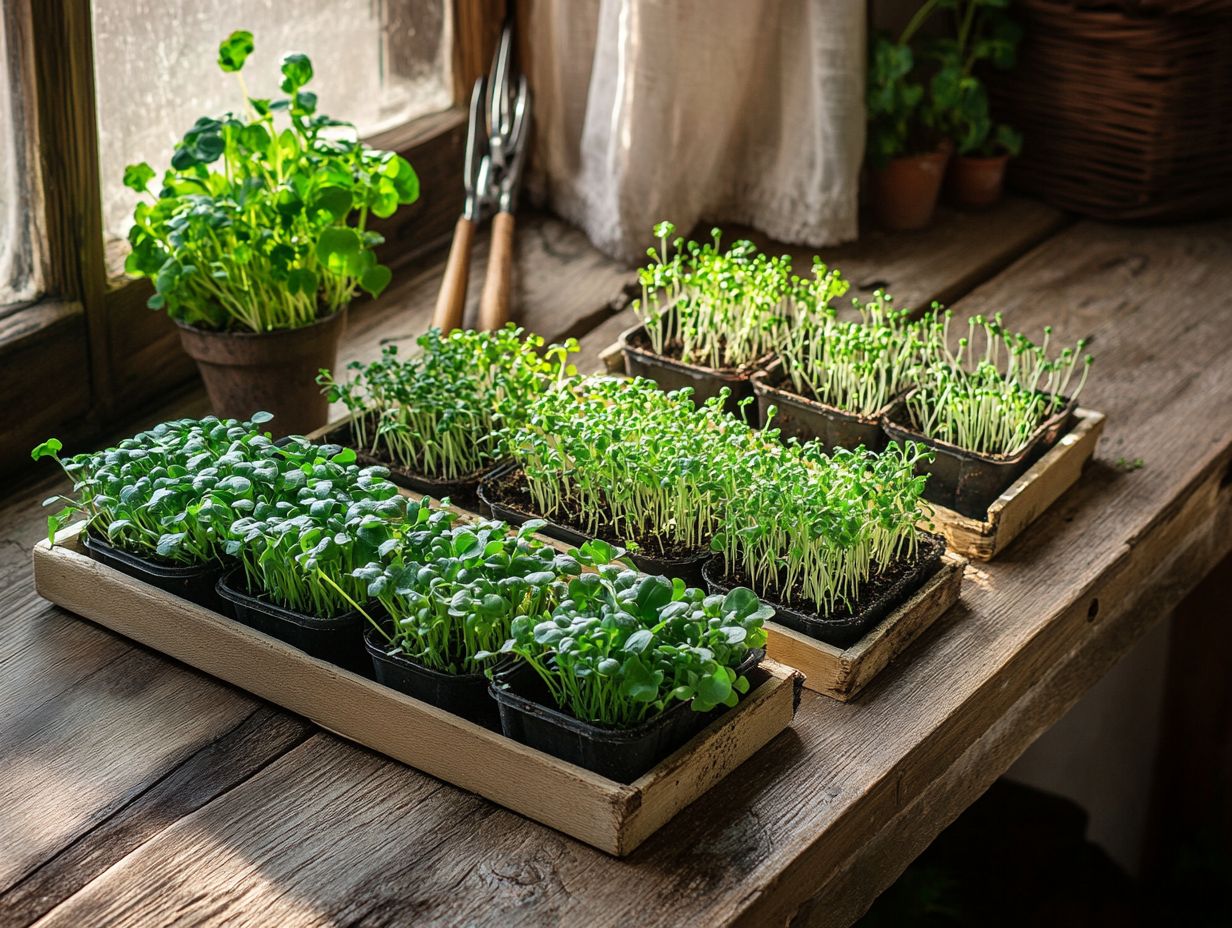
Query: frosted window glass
[
  {"x": 377, "y": 63},
  {"x": 19, "y": 279}
]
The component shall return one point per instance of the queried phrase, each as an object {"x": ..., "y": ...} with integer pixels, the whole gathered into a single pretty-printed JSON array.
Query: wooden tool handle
[
  {"x": 497, "y": 285},
  {"x": 451, "y": 303}
]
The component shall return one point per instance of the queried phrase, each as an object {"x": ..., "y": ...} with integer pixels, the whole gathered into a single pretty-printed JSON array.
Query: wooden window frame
[{"x": 89, "y": 350}]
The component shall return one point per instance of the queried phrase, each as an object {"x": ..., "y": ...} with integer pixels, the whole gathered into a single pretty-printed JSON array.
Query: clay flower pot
[
  {"x": 904, "y": 193},
  {"x": 245, "y": 372},
  {"x": 976, "y": 183}
]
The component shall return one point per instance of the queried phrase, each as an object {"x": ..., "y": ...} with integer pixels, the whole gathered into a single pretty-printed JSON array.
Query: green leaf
[
  {"x": 138, "y": 176},
  {"x": 297, "y": 71},
  {"x": 640, "y": 683},
  {"x": 375, "y": 279},
  {"x": 48, "y": 449},
  {"x": 234, "y": 50}
]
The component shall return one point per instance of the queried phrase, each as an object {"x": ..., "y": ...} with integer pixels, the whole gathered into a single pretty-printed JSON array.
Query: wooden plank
[
  {"x": 601, "y": 812},
  {"x": 1031, "y": 494},
  {"x": 841, "y": 673}
]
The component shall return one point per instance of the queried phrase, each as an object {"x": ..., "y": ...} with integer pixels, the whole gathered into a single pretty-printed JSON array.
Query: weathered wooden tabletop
[{"x": 136, "y": 791}]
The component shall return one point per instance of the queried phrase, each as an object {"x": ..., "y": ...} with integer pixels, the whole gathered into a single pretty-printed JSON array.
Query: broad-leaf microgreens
[
  {"x": 437, "y": 414},
  {"x": 169, "y": 494},
  {"x": 991, "y": 401},
  {"x": 454, "y": 594},
  {"x": 261, "y": 220},
  {"x": 710, "y": 307},
  {"x": 622, "y": 646},
  {"x": 815, "y": 527}
]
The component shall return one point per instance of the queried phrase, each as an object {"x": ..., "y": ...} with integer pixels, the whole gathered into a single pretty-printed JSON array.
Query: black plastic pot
[
  {"x": 339, "y": 640},
  {"x": 966, "y": 481},
  {"x": 800, "y": 417},
  {"x": 529, "y": 716},
  {"x": 465, "y": 695},
  {"x": 196, "y": 584},
  {"x": 845, "y": 630},
  {"x": 461, "y": 491},
  {"x": 670, "y": 374},
  {"x": 687, "y": 568}
]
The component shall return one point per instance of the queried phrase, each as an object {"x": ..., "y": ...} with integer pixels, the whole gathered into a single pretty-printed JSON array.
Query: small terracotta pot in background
[
  {"x": 904, "y": 193},
  {"x": 975, "y": 183},
  {"x": 245, "y": 372}
]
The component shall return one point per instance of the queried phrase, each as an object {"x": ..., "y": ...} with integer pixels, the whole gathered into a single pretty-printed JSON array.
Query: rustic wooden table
[{"x": 136, "y": 791}]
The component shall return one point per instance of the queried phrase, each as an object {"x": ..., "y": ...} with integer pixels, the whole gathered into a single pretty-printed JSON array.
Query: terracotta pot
[
  {"x": 904, "y": 193},
  {"x": 274, "y": 371},
  {"x": 976, "y": 183}
]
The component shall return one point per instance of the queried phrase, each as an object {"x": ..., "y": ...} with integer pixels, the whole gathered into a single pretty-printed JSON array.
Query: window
[
  {"x": 19, "y": 269},
  {"x": 378, "y": 64}
]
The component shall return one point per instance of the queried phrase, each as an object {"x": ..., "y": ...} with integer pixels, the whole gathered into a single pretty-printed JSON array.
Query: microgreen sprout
[
  {"x": 857, "y": 367},
  {"x": 321, "y": 518},
  {"x": 622, "y": 646},
  {"x": 711, "y": 307},
  {"x": 622, "y": 459},
  {"x": 438, "y": 413},
  {"x": 815, "y": 527},
  {"x": 168, "y": 494},
  {"x": 454, "y": 594},
  {"x": 994, "y": 392}
]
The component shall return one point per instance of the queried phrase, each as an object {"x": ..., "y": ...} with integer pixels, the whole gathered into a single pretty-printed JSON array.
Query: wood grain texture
[
  {"x": 1023, "y": 501},
  {"x": 817, "y": 823},
  {"x": 841, "y": 673},
  {"x": 498, "y": 282},
  {"x": 451, "y": 301}
]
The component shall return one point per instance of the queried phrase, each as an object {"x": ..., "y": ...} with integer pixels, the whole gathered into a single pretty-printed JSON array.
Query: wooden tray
[
  {"x": 841, "y": 673},
  {"x": 1032, "y": 493},
  {"x": 611, "y": 816},
  {"x": 1017, "y": 507}
]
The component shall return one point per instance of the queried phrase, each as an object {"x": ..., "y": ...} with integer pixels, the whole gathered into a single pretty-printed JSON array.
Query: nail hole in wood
[{"x": 1093, "y": 611}]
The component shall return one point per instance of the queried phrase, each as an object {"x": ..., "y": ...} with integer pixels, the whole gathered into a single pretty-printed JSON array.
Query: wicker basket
[{"x": 1126, "y": 107}]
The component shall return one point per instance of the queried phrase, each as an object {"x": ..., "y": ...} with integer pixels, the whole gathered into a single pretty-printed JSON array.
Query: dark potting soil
[
  {"x": 510, "y": 490},
  {"x": 876, "y": 586}
]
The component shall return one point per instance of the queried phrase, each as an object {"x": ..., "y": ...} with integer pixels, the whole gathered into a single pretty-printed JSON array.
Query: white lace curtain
[{"x": 744, "y": 111}]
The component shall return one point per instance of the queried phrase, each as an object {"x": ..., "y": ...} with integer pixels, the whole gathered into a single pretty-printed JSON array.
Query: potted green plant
[
  {"x": 451, "y": 595},
  {"x": 958, "y": 106},
  {"x": 159, "y": 505},
  {"x": 435, "y": 419},
  {"x": 257, "y": 240},
  {"x": 623, "y": 461},
  {"x": 835, "y": 378},
  {"x": 317, "y": 519},
  {"x": 628, "y": 668},
  {"x": 987, "y": 410},
  {"x": 830, "y": 542},
  {"x": 706, "y": 316},
  {"x": 906, "y": 156}
]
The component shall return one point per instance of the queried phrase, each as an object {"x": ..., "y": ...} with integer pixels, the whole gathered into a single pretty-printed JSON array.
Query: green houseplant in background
[
  {"x": 983, "y": 35},
  {"x": 257, "y": 240},
  {"x": 906, "y": 156}
]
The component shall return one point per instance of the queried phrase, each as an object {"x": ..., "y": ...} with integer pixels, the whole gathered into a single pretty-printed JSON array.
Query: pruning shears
[{"x": 499, "y": 121}]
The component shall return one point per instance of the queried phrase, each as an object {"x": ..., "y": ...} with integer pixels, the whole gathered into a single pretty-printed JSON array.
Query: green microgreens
[
  {"x": 623, "y": 646},
  {"x": 622, "y": 458},
  {"x": 275, "y": 237},
  {"x": 857, "y": 367},
  {"x": 716, "y": 308},
  {"x": 990, "y": 401},
  {"x": 454, "y": 594},
  {"x": 821, "y": 524},
  {"x": 169, "y": 494},
  {"x": 322, "y": 518},
  {"x": 438, "y": 413}
]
